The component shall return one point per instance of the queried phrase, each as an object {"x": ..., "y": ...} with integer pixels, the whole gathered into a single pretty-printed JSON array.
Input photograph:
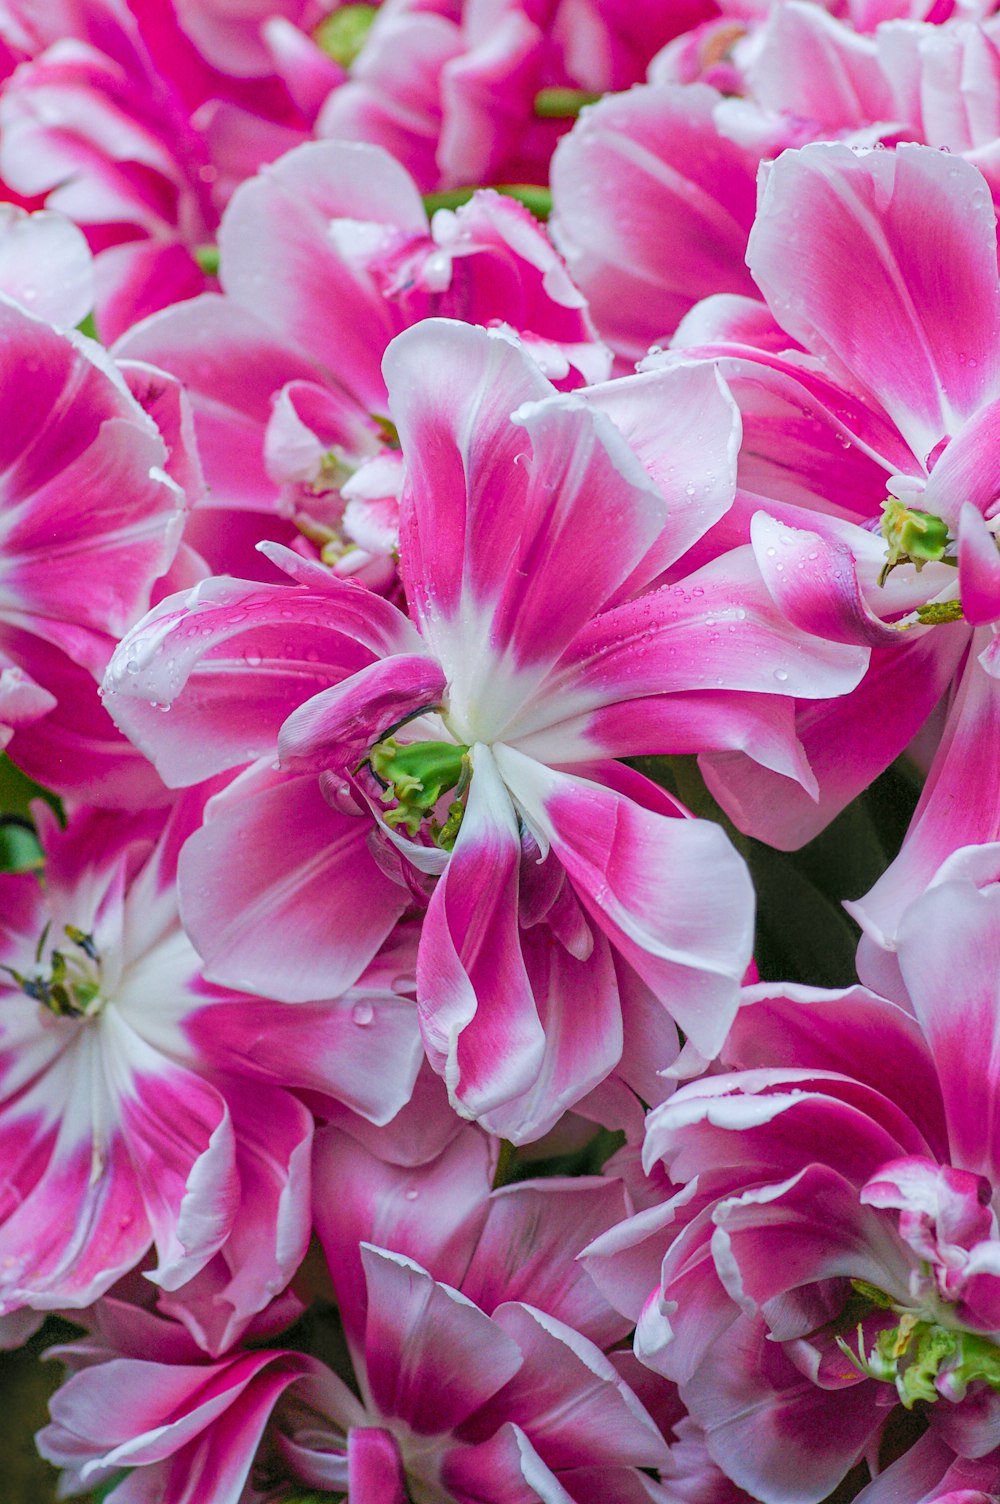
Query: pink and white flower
[
  {"x": 481, "y": 1370},
  {"x": 287, "y": 389},
  {"x": 529, "y": 661},
  {"x": 139, "y": 1107},
  {"x": 832, "y": 1245},
  {"x": 89, "y": 518}
]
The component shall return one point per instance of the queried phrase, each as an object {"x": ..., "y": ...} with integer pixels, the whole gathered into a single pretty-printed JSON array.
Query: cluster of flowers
[{"x": 376, "y": 559}]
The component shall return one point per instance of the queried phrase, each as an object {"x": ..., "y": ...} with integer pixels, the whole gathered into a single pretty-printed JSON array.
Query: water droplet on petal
[{"x": 362, "y": 1014}]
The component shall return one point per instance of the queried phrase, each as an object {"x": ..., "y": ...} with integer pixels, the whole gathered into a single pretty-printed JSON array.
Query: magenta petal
[
  {"x": 689, "y": 947},
  {"x": 769, "y": 1426},
  {"x": 581, "y": 1016},
  {"x": 432, "y": 1356},
  {"x": 181, "y": 1143},
  {"x": 966, "y": 968},
  {"x": 281, "y": 856},
  {"x": 569, "y": 1397},
  {"x": 777, "y": 1238},
  {"x": 506, "y": 1469},
  {"x": 864, "y": 285},
  {"x": 230, "y": 364},
  {"x": 529, "y": 1247},
  {"x": 362, "y": 1049},
  {"x": 374, "y": 1467},
  {"x": 338, "y": 725},
  {"x": 968, "y": 470},
  {"x": 978, "y": 568},
  {"x": 320, "y": 300},
  {"x": 960, "y": 802},
  {"x": 478, "y": 1014},
  {"x": 693, "y": 462},
  {"x": 652, "y": 209},
  {"x": 361, "y": 1198},
  {"x": 875, "y": 721},
  {"x": 231, "y": 660},
  {"x": 814, "y": 581}
]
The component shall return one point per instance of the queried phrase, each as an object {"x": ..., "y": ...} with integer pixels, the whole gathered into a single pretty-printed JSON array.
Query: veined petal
[
  {"x": 339, "y": 724},
  {"x": 432, "y": 1356},
  {"x": 890, "y": 271},
  {"x": 478, "y": 1014},
  {"x": 318, "y": 882},
  {"x": 229, "y": 661},
  {"x": 689, "y": 938}
]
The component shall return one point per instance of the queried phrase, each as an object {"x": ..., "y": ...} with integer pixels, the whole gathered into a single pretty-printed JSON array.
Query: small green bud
[
  {"x": 207, "y": 257},
  {"x": 343, "y": 34}
]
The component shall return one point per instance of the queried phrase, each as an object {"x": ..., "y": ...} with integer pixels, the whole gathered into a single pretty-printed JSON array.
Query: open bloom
[
  {"x": 287, "y": 389},
  {"x": 833, "y": 1249},
  {"x": 137, "y": 1106},
  {"x": 478, "y": 1346},
  {"x": 486, "y": 720}
]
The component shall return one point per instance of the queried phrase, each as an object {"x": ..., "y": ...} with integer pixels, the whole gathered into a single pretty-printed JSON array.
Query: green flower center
[
  {"x": 913, "y": 537},
  {"x": 416, "y": 775},
  {"x": 72, "y": 988},
  {"x": 920, "y": 1356}
]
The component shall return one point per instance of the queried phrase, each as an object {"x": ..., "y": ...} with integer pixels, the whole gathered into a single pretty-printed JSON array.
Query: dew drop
[
  {"x": 362, "y": 1014},
  {"x": 780, "y": 675}
]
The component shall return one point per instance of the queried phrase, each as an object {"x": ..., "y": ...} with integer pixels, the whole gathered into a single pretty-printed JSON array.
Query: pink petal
[
  {"x": 501, "y": 536},
  {"x": 46, "y": 265},
  {"x": 569, "y": 1398},
  {"x": 875, "y": 721},
  {"x": 362, "y": 1049},
  {"x": 958, "y": 806},
  {"x": 337, "y": 726},
  {"x": 231, "y": 364},
  {"x": 432, "y": 1356},
  {"x": 324, "y": 305},
  {"x": 529, "y": 1246},
  {"x": 873, "y": 233},
  {"x": 652, "y": 209},
  {"x": 580, "y": 1014},
  {"x": 978, "y": 568},
  {"x": 230, "y": 660},
  {"x": 505, "y": 1469},
  {"x": 692, "y": 462},
  {"x": 616, "y": 855},
  {"x": 771, "y": 1428},
  {"x": 311, "y": 874},
  {"x": 478, "y": 1014},
  {"x": 431, "y": 1213},
  {"x": 936, "y": 973},
  {"x": 374, "y": 1467}
]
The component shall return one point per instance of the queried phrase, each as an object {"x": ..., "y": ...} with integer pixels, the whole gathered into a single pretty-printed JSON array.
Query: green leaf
[
  {"x": 19, "y": 848},
  {"x": 17, "y": 791}
]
